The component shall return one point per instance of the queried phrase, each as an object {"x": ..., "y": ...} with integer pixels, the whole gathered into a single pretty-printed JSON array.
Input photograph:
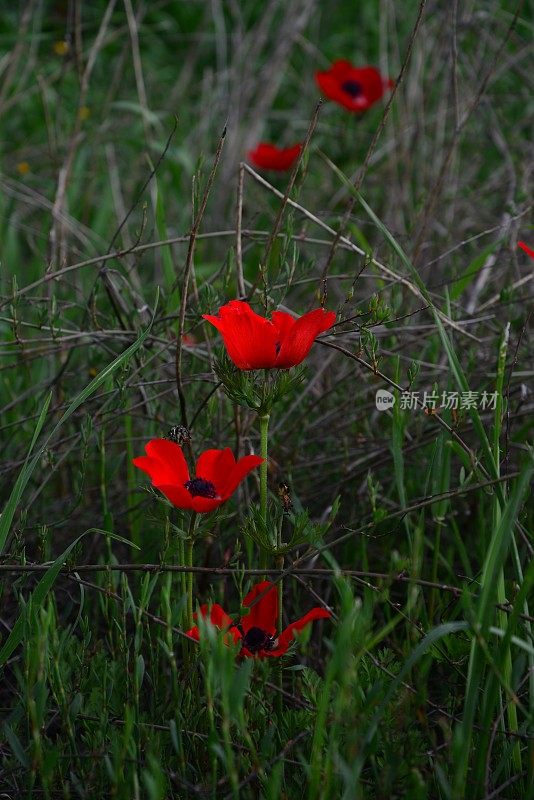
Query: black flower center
[
  {"x": 257, "y": 639},
  {"x": 277, "y": 347},
  {"x": 352, "y": 87},
  {"x": 198, "y": 487}
]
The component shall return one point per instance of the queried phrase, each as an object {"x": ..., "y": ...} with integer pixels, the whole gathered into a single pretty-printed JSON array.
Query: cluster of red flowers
[
  {"x": 354, "y": 88},
  {"x": 252, "y": 342}
]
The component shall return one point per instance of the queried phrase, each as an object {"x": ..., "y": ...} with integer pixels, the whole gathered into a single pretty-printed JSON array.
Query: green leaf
[
  {"x": 22, "y": 479},
  {"x": 16, "y": 746},
  {"x": 471, "y": 272}
]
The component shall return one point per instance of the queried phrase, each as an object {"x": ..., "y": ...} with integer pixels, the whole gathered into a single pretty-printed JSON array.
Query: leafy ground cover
[{"x": 384, "y": 503}]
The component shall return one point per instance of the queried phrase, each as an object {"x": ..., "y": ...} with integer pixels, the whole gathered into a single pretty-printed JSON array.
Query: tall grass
[{"x": 125, "y": 216}]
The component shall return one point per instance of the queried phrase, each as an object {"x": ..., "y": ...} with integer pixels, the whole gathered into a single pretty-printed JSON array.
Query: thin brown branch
[
  {"x": 430, "y": 205},
  {"x": 187, "y": 273},
  {"x": 239, "y": 234},
  {"x": 278, "y": 221}
]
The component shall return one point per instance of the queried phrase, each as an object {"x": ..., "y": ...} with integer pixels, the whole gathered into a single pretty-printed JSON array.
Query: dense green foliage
[{"x": 413, "y": 525}]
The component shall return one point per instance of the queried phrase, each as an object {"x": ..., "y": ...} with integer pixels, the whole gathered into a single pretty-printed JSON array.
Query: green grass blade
[
  {"x": 24, "y": 476},
  {"x": 440, "y": 632},
  {"x": 455, "y": 365},
  {"x": 495, "y": 558},
  {"x": 41, "y": 590},
  {"x": 11, "y": 506},
  {"x": 471, "y": 271}
]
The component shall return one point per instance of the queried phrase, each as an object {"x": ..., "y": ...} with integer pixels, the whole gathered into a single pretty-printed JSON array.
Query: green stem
[
  {"x": 189, "y": 563},
  {"x": 264, "y": 430},
  {"x": 264, "y": 442},
  {"x": 279, "y": 563},
  {"x": 511, "y": 710},
  {"x": 183, "y": 576},
  {"x": 188, "y": 558}
]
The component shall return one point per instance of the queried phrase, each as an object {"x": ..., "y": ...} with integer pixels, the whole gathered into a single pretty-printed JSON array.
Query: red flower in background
[
  {"x": 257, "y": 631},
  {"x": 268, "y": 156},
  {"x": 189, "y": 340},
  {"x": 254, "y": 342},
  {"x": 526, "y": 249},
  {"x": 217, "y": 474},
  {"x": 355, "y": 88}
]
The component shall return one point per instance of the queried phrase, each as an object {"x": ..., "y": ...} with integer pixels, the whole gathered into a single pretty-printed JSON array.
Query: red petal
[
  {"x": 371, "y": 81},
  {"x": 177, "y": 494},
  {"x": 330, "y": 87},
  {"x": 287, "y": 636},
  {"x": 215, "y": 466},
  {"x": 240, "y": 470},
  {"x": 148, "y": 465},
  {"x": 297, "y": 344},
  {"x": 164, "y": 462},
  {"x": 341, "y": 68},
  {"x": 170, "y": 454},
  {"x": 205, "y": 504},
  {"x": 167, "y": 467},
  {"x": 264, "y": 613},
  {"x": 283, "y": 323},
  {"x": 268, "y": 156},
  {"x": 217, "y": 617},
  {"x": 194, "y": 633},
  {"x": 250, "y": 340},
  {"x": 526, "y": 248}
]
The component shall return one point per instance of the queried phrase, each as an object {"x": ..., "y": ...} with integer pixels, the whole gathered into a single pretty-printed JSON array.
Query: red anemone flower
[
  {"x": 217, "y": 474},
  {"x": 355, "y": 88},
  {"x": 269, "y": 156},
  {"x": 526, "y": 248},
  {"x": 254, "y": 342},
  {"x": 257, "y": 631}
]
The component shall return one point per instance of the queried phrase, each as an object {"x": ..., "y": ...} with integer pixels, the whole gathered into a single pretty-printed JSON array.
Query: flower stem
[
  {"x": 188, "y": 553},
  {"x": 183, "y": 576},
  {"x": 264, "y": 443},
  {"x": 264, "y": 430},
  {"x": 189, "y": 563},
  {"x": 280, "y": 590},
  {"x": 279, "y": 562}
]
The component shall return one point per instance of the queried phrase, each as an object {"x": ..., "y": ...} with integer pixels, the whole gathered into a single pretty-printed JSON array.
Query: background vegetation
[{"x": 112, "y": 112}]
